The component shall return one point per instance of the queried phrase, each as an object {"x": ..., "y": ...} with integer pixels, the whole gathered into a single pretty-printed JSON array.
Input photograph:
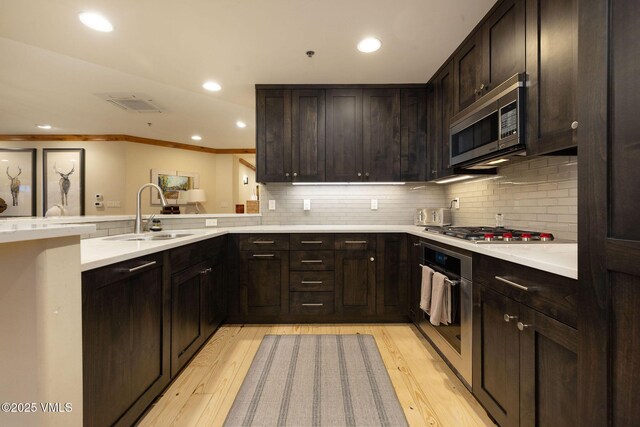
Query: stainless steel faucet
[{"x": 138, "y": 225}]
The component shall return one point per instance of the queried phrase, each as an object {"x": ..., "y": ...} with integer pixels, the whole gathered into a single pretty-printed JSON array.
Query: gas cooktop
[{"x": 492, "y": 234}]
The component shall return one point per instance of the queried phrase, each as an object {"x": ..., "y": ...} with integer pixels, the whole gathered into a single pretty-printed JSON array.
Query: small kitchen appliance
[{"x": 432, "y": 216}]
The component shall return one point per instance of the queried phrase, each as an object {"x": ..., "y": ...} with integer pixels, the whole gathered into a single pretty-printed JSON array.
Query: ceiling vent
[{"x": 132, "y": 103}]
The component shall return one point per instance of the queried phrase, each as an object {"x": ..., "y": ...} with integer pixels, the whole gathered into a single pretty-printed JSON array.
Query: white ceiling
[{"x": 52, "y": 65}]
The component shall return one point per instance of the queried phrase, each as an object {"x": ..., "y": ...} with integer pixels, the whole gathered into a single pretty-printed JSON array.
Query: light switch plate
[
  {"x": 307, "y": 204},
  {"x": 272, "y": 205},
  {"x": 211, "y": 222},
  {"x": 374, "y": 204}
]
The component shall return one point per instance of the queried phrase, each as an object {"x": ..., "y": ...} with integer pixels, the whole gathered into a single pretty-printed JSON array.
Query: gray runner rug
[{"x": 317, "y": 380}]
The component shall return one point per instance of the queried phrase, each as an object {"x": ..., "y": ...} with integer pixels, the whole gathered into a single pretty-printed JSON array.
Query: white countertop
[
  {"x": 20, "y": 232},
  {"x": 558, "y": 258}
]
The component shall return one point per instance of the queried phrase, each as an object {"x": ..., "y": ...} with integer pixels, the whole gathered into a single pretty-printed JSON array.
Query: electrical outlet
[
  {"x": 272, "y": 205},
  {"x": 374, "y": 204},
  {"x": 98, "y": 204},
  {"x": 456, "y": 203},
  {"x": 98, "y": 196},
  {"x": 307, "y": 204},
  {"x": 211, "y": 223}
]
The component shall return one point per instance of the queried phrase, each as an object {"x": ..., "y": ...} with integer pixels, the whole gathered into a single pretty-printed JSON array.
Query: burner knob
[
  {"x": 507, "y": 237},
  {"x": 525, "y": 237},
  {"x": 545, "y": 237},
  {"x": 488, "y": 236}
]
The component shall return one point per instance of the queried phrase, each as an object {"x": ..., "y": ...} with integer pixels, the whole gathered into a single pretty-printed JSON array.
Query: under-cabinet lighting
[
  {"x": 348, "y": 183},
  {"x": 495, "y": 162},
  {"x": 95, "y": 21},
  {"x": 454, "y": 179}
]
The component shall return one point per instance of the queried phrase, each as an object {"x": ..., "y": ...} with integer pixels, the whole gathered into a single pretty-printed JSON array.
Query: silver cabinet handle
[
  {"x": 312, "y": 304},
  {"x": 311, "y": 242},
  {"x": 287, "y": 174},
  {"x": 140, "y": 267},
  {"x": 355, "y": 242},
  {"x": 311, "y": 261},
  {"x": 508, "y": 318},
  {"x": 295, "y": 174},
  {"x": 263, "y": 242},
  {"x": 574, "y": 125},
  {"x": 416, "y": 244},
  {"x": 264, "y": 255},
  {"x": 206, "y": 270},
  {"x": 510, "y": 283},
  {"x": 311, "y": 282},
  {"x": 522, "y": 326},
  {"x": 366, "y": 174}
]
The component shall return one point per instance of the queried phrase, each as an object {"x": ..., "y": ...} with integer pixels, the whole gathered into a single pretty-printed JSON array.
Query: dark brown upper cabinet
[
  {"x": 273, "y": 135},
  {"x": 308, "y": 135},
  {"x": 344, "y": 135},
  {"x": 468, "y": 73},
  {"x": 552, "y": 55},
  {"x": 381, "y": 135},
  {"x": 440, "y": 95},
  {"x": 503, "y": 43},
  {"x": 413, "y": 134}
]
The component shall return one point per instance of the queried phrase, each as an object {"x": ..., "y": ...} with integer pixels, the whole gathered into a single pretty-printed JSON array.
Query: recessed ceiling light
[
  {"x": 4, "y": 160},
  {"x": 368, "y": 45},
  {"x": 241, "y": 124},
  {"x": 95, "y": 21},
  {"x": 196, "y": 137},
  {"x": 212, "y": 86},
  {"x": 44, "y": 126}
]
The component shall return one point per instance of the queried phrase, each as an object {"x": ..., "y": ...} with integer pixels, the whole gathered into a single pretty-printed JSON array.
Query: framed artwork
[
  {"x": 17, "y": 182},
  {"x": 174, "y": 184},
  {"x": 63, "y": 179}
]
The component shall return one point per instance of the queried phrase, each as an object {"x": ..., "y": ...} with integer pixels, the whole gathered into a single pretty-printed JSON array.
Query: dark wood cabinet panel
[
  {"x": 261, "y": 242},
  {"x": 439, "y": 121},
  {"x": 308, "y": 135},
  {"x": 468, "y": 73},
  {"x": 381, "y": 134},
  {"x": 312, "y": 303},
  {"x": 552, "y": 55},
  {"x": 264, "y": 283},
  {"x": 125, "y": 350},
  {"x": 215, "y": 298},
  {"x": 344, "y": 156},
  {"x": 311, "y": 281},
  {"x": 415, "y": 276},
  {"x": 306, "y": 241},
  {"x": 503, "y": 36},
  {"x": 311, "y": 260},
  {"x": 413, "y": 134},
  {"x": 355, "y": 282},
  {"x": 355, "y": 242},
  {"x": 273, "y": 135},
  {"x": 392, "y": 274},
  {"x": 496, "y": 362}
]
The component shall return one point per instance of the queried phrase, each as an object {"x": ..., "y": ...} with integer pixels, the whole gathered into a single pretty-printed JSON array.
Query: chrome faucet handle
[{"x": 148, "y": 223}]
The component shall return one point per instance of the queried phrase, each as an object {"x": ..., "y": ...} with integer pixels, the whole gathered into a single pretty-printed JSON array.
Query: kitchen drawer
[
  {"x": 313, "y": 303},
  {"x": 185, "y": 256},
  {"x": 122, "y": 270},
  {"x": 311, "y": 260},
  {"x": 545, "y": 292},
  {"x": 263, "y": 242},
  {"x": 307, "y": 242},
  {"x": 311, "y": 281},
  {"x": 356, "y": 242}
]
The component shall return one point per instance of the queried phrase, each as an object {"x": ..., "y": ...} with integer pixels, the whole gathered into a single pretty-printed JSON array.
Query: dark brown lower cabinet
[
  {"x": 263, "y": 283},
  {"x": 525, "y": 363},
  {"x": 392, "y": 274},
  {"x": 125, "y": 322},
  {"x": 355, "y": 282},
  {"x": 415, "y": 276}
]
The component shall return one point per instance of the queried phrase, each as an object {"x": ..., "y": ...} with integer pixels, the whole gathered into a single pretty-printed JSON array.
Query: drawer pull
[
  {"x": 263, "y": 242},
  {"x": 521, "y": 326},
  {"x": 264, "y": 255},
  {"x": 311, "y": 242},
  {"x": 507, "y": 318},
  {"x": 312, "y": 304},
  {"x": 311, "y": 261},
  {"x": 355, "y": 242},
  {"x": 140, "y": 267},
  {"x": 206, "y": 270},
  {"x": 311, "y": 282},
  {"x": 510, "y": 283}
]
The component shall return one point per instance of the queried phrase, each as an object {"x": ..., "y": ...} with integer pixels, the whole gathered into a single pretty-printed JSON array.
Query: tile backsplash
[{"x": 539, "y": 194}]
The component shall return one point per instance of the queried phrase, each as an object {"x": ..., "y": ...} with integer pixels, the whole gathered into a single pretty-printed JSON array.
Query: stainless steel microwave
[{"x": 492, "y": 128}]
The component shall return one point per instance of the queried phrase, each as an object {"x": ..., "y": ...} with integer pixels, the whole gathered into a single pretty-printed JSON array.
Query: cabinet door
[
  {"x": 413, "y": 135},
  {"x": 552, "y": 55},
  {"x": 308, "y": 135},
  {"x": 381, "y": 134},
  {"x": 344, "y": 135},
  {"x": 433, "y": 144},
  {"x": 415, "y": 276},
  {"x": 392, "y": 274},
  {"x": 443, "y": 85},
  {"x": 504, "y": 43},
  {"x": 273, "y": 135},
  {"x": 215, "y": 298},
  {"x": 548, "y": 371},
  {"x": 496, "y": 355},
  {"x": 355, "y": 282},
  {"x": 468, "y": 73},
  {"x": 264, "y": 283},
  {"x": 187, "y": 326}
]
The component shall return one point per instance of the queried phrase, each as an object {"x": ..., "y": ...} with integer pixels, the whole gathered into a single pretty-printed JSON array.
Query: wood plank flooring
[{"x": 429, "y": 393}]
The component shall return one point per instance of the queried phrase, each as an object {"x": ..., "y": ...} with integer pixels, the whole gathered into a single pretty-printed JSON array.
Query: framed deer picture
[
  {"x": 17, "y": 182},
  {"x": 63, "y": 180}
]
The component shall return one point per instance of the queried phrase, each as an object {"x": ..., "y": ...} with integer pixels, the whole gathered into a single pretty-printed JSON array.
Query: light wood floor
[{"x": 430, "y": 394}]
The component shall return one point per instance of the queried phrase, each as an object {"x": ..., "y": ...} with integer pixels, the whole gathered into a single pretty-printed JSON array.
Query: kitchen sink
[{"x": 149, "y": 237}]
